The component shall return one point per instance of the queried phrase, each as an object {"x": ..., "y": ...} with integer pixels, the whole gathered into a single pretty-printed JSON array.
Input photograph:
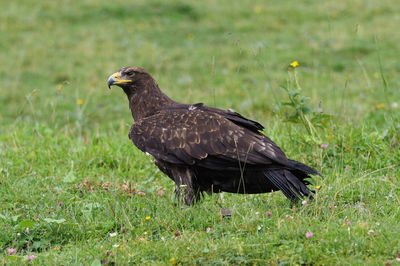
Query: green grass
[{"x": 69, "y": 173}]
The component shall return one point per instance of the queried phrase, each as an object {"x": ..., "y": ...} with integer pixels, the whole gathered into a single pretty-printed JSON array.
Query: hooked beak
[{"x": 115, "y": 79}]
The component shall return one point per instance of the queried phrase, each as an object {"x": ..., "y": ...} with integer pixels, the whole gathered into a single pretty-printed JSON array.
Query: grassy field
[{"x": 74, "y": 190}]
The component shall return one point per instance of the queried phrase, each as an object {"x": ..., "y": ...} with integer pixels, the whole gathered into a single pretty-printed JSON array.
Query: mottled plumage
[{"x": 205, "y": 149}]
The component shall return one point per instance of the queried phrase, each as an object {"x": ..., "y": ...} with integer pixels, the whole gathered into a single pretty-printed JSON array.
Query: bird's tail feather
[
  {"x": 303, "y": 168},
  {"x": 292, "y": 187}
]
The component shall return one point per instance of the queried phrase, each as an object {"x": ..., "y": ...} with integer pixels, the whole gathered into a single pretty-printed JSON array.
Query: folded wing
[{"x": 193, "y": 135}]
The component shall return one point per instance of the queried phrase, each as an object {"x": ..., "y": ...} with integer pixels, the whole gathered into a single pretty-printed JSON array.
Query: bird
[{"x": 204, "y": 149}]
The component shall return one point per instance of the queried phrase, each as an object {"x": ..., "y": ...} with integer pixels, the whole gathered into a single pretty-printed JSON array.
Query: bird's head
[
  {"x": 142, "y": 91},
  {"x": 129, "y": 78}
]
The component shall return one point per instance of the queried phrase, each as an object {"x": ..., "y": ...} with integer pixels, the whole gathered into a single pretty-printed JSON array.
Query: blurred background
[{"x": 56, "y": 57}]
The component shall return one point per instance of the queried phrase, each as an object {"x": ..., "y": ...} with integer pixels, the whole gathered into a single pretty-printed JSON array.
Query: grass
[{"x": 71, "y": 176}]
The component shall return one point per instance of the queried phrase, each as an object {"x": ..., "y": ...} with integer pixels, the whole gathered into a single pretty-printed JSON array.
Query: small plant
[{"x": 299, "y": 110}]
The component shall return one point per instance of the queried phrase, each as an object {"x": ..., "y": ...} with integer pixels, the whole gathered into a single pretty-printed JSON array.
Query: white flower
[
  {"x": 115, "y": 245},
  {"x": 113, "y": 234}
]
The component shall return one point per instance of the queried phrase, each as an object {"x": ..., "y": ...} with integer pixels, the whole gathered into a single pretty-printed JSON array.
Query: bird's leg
[
  {"x": 184, "y": 186},
  {"x": 183, "y": 193},
  {"x": 183, "y": 182}
]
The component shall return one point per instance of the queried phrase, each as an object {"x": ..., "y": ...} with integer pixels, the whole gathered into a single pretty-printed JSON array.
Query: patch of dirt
[{"x": 125, "y": 187}]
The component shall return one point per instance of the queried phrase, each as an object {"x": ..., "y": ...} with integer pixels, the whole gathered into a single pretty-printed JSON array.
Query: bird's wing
[
  {"x": 236, "y": 118},
  {"x": 228, "y": 114},
  {"x": 194, "y": 136}
]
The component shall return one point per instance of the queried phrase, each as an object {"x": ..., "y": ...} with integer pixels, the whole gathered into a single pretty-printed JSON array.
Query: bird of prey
[{"x": 205, "y": 149}]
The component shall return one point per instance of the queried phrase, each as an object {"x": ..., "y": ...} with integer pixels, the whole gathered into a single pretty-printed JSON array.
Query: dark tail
[
  {"x": 292, "y": 181},
  {"x": 303, "y": 168}
]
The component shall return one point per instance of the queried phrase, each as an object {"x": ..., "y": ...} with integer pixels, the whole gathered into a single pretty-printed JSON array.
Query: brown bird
[{"x": 205, "y": 149}]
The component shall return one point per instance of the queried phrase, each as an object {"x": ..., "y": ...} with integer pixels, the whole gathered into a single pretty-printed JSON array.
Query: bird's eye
[{"x": 130, "y": 73}]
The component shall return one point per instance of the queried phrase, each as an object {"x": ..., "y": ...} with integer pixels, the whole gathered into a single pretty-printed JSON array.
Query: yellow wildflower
[
  {"x": 318, "y": 187},
  {"x": 362, "y": 225},
  {"x": 191, "y": 36},
  {"x": 294, "y": 64},
  {"x": 59, "y": 87},
  {"x": 79, "y": 102},
  {"x": 377, "y": 75},
  {"x": 380, "y": 106},
  {"x": 57, "y": 248},
  {"x": 147, "y": 218},
  {"x": 141, "y": 26},
  {"x": 257, "y": 9},
  {"x": 35, "y": 92}
]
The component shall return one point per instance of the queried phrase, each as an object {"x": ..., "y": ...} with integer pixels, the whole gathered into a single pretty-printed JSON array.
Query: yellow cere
[
  {"x": 117, "y": 77},
  {"x": 119, "y": 81},
  {"x": 294, "y": 64}
]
